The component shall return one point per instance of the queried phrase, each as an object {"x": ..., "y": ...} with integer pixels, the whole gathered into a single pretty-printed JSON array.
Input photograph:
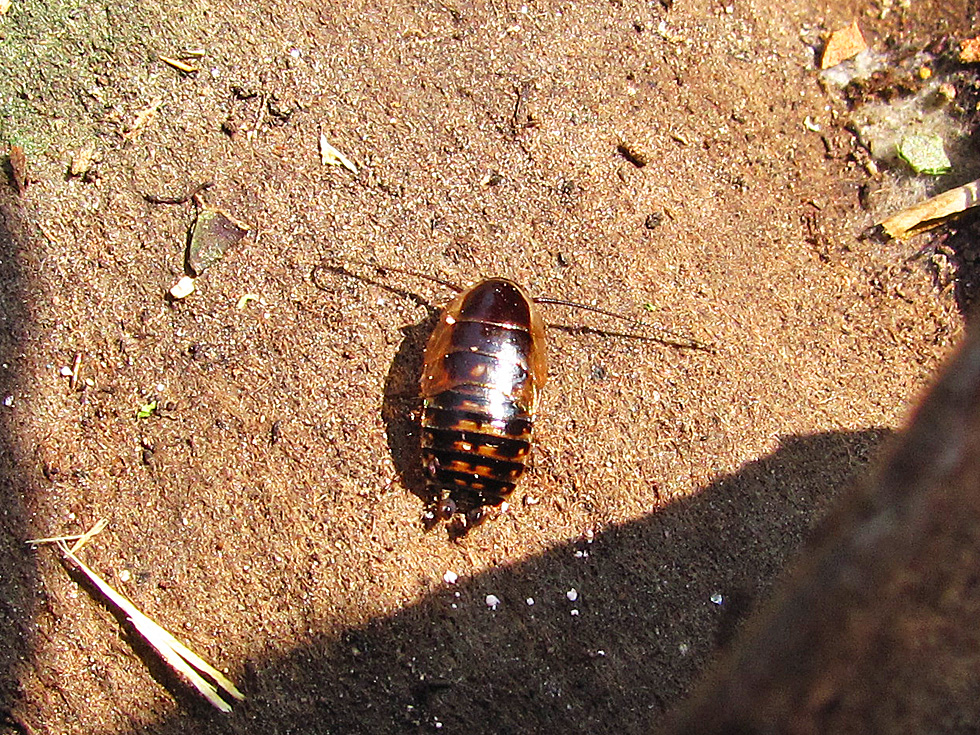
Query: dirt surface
[{"x": 265, "y": 510}]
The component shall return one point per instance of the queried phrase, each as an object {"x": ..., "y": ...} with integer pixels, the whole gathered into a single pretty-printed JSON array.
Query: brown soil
[{"x": 267, "y": 513}]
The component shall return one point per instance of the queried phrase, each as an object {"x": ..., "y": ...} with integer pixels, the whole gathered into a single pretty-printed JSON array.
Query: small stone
[
  {"x": 946, "y": 92},
  {"x": 842, "y": 45},
  {"x": 124, "y": 575},
  {"x": 529, "y": 601},
  {"x": 717, "y": 598},
  {"x": 65, "y": 371},
  {"x": 574, "y": 612},
  {"x": 653, "y": 220},
  {"x": 8, "y": 401},
  {"x": 572, "y": 594},
  {"x": 970, "y": 51},
  {"x": 183, "y": 288},
  {"x": 82, "y": 161},
  {"x": 493, "y": 601},
  {"x": 634, "y": 155},
  {"x": 450, "y": 577}
]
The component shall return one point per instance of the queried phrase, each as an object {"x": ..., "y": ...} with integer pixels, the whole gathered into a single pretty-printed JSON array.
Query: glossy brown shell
[{"x": 485, "y": 366}]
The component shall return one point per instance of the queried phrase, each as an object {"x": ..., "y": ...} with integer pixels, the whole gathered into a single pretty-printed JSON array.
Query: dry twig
[{"x": 183, "y": 660}]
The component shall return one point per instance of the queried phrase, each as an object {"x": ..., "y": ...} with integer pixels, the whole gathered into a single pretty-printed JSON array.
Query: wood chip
[
  {"x": 178, "y": 65},
  {"x": 842, "y": 45},
  {"x": 82, "y": 161},
  {"x": 932, "y": 212}
]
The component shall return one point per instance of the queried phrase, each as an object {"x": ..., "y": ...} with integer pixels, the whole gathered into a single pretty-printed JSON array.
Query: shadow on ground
[
  {"x": 613, "y": 660},
  {"x": 18, "y": 573}
]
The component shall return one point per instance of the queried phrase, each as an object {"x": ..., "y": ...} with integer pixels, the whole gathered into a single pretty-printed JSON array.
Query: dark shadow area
[
  {"x": 874, "y": 630},
  {"x": 18, "y": 571},
  {"x": 655, "y": 598}
]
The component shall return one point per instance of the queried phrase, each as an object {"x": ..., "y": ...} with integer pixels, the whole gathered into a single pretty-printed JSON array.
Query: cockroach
[{"x": 483, "y": 371}]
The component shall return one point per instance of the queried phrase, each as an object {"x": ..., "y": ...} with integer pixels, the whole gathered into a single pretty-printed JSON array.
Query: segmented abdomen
[{"x": 484, "y": 368}]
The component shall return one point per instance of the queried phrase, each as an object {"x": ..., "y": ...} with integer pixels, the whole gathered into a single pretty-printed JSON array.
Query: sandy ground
[{"x": 266, "y": 511}]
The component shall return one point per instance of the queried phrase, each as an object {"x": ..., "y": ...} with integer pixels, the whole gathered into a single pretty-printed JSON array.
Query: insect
[{"x": 483, "y": 371}]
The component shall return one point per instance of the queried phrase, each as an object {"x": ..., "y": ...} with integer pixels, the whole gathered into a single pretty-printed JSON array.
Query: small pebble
[
  {"x": 124, "y": 575},
  {"x": 450, "y": 577},
  {"x": 183, "y": 288},
  {"x": 493, "y": 601},
  {"x": 717, "y": 598},
  {"x": 574, "y": 613},
  {"x": 529, "y": 601},
  {"x": 65, "y": 371},
  {"x": 8, "y": 401},
  {"x": 572, "y": 594},
  {"x": 683, "y": 648}
]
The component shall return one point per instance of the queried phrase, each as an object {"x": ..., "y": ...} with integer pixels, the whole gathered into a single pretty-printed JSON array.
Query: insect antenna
[
  {"x": 663, "y": 336},
  {"x": 337, "y": 267}
]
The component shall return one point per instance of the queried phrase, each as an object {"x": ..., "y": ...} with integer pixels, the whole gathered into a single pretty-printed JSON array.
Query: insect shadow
[
  {"x": 473, "y": 447},
  {"x": 402, "y": 399}
]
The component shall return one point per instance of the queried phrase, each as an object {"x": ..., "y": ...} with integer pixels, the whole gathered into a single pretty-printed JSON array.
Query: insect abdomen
[{"x": 484, "y": 368}]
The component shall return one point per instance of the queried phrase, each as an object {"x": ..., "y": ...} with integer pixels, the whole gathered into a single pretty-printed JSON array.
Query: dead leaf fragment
[
  {"x": 970, "y": 51},
  {"x": 5, "y": 6},
  {"x": 330, "y": 156},
  {"x": 842, "y": 45},
  {"x": 214, "y": 233},
  {"x": 143, "y": 117}
]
